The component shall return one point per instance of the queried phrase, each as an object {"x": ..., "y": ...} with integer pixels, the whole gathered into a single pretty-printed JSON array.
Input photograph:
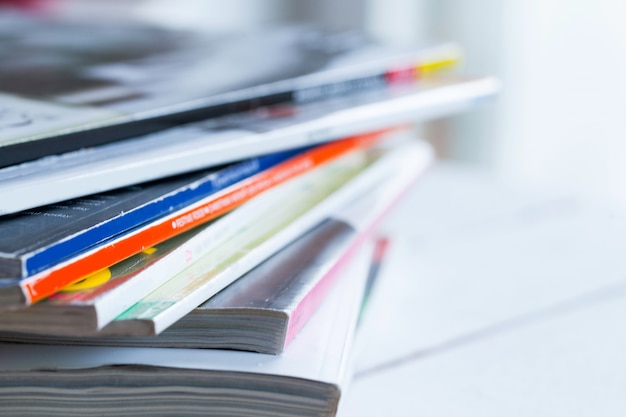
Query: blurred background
[{"x": 557, "y": 123}]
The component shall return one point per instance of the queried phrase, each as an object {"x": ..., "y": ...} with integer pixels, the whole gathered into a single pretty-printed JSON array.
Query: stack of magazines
[{"x": 188, "y": 221}]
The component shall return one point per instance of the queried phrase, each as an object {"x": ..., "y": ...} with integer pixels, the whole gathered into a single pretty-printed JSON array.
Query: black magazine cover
[{"x": 69, "y": 84}]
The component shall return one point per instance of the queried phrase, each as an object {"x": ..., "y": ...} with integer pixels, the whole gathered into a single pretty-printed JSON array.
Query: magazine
[
  {"x": 67, "y": 84},
  {"x": 232, "y": 138}
]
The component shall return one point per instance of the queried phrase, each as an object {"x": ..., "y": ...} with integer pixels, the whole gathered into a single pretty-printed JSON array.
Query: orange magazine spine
[{"x": 46, "y": 283}]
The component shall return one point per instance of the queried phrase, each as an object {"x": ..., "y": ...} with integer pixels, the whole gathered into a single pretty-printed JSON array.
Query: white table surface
[{"x": 495, "y": 301}]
